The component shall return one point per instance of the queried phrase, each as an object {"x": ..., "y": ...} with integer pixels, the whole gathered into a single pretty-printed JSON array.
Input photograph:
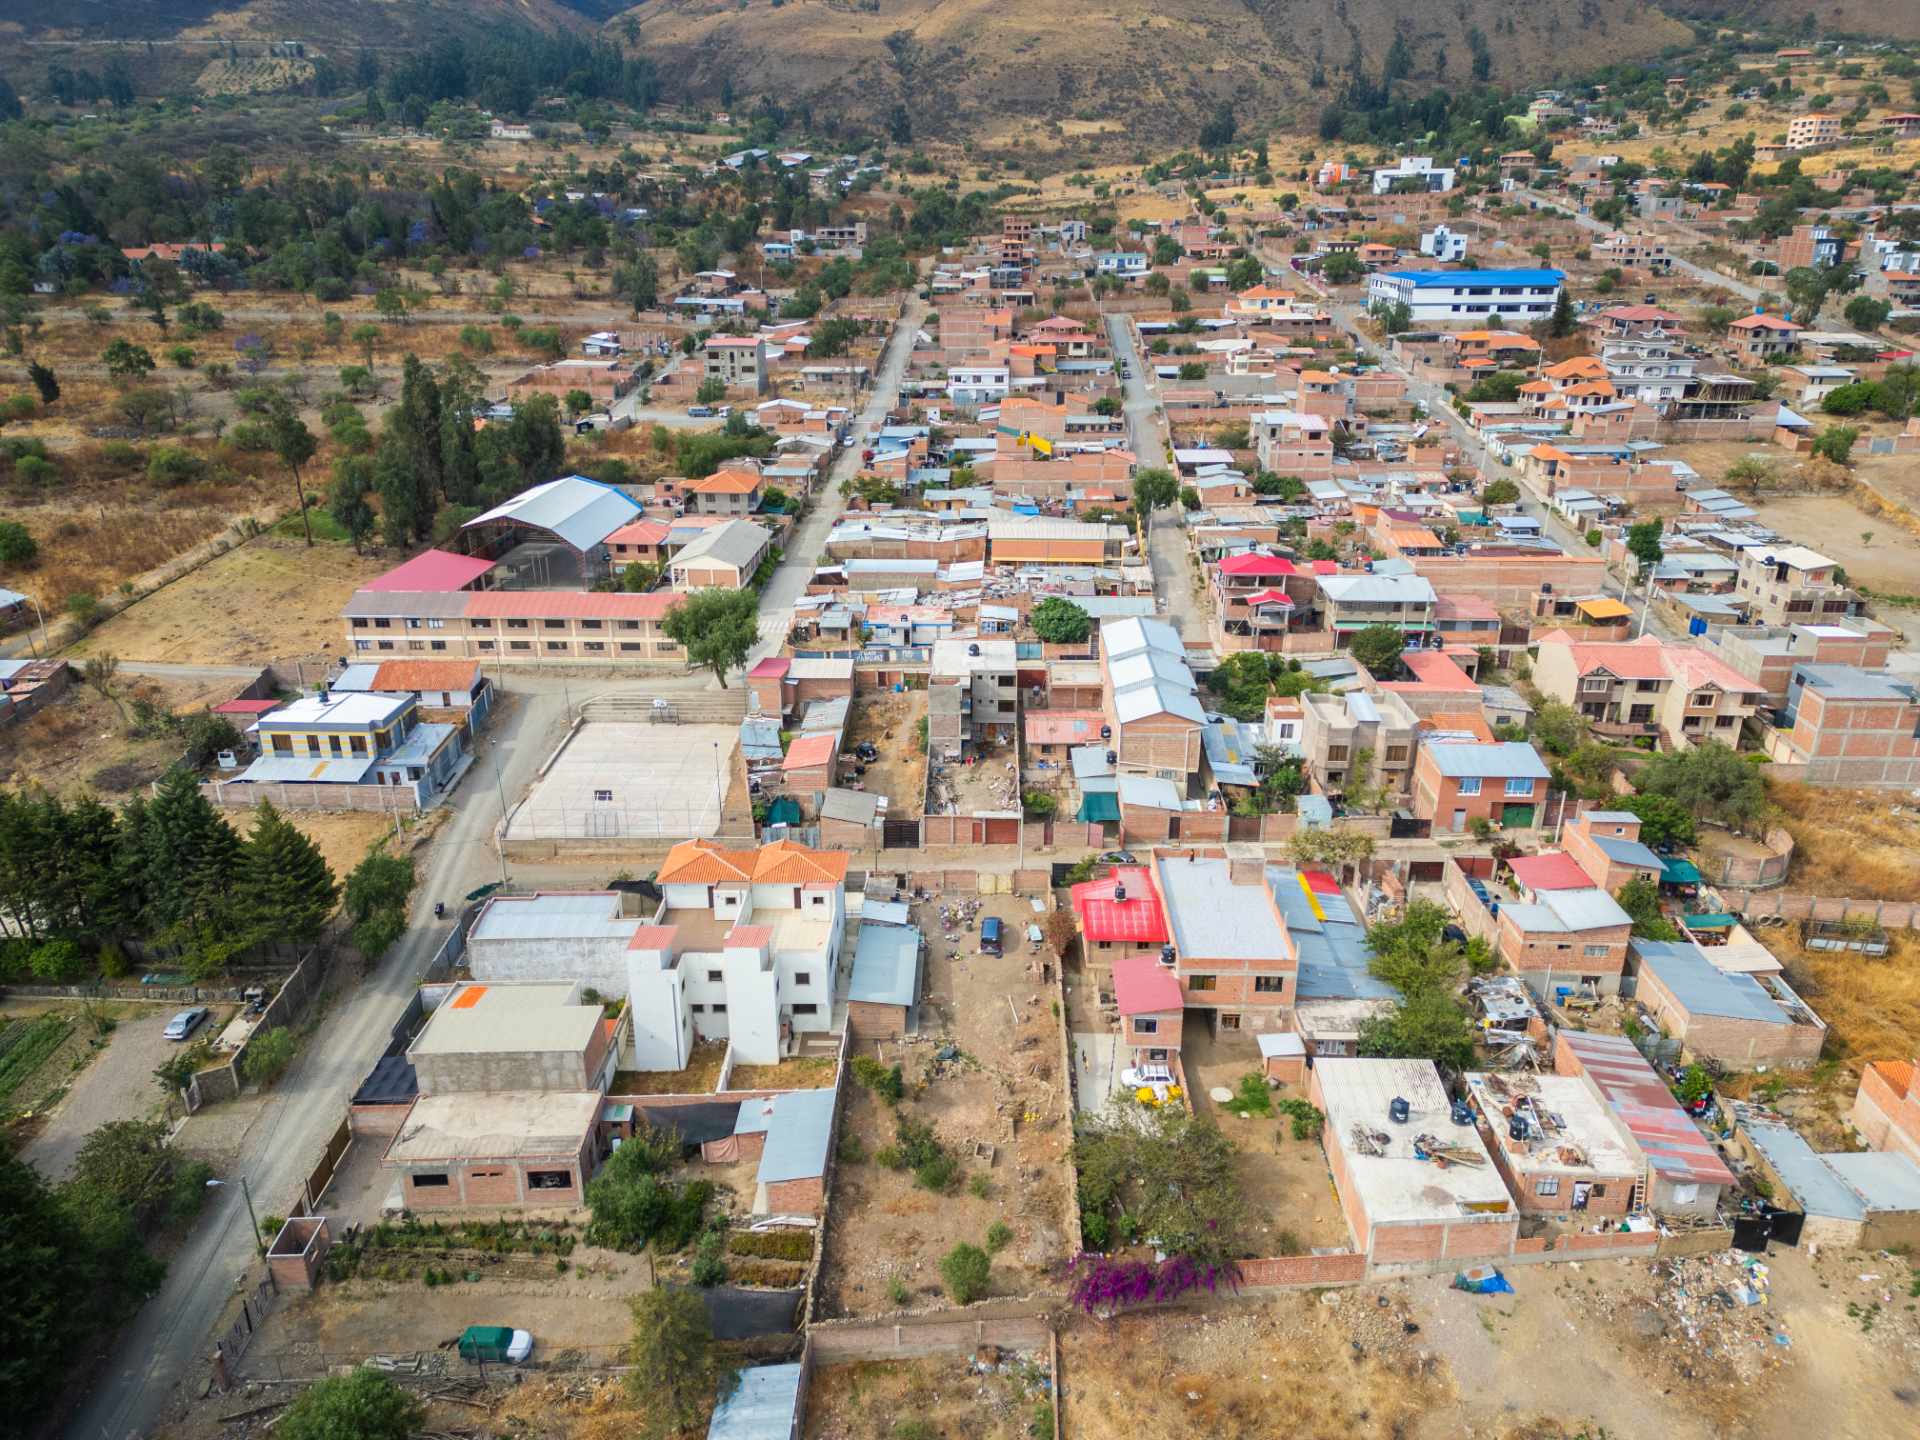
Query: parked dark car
[{"x": 992, "y": 934}]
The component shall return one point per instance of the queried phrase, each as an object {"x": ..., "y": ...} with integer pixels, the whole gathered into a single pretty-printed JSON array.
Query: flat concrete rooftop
[
  {"x": 1395, "y": 1187},
  {"x": 1583, "y": 1138},
  {"x": 477, "y": 1019},
  {"x": 497, "y": 1125}
]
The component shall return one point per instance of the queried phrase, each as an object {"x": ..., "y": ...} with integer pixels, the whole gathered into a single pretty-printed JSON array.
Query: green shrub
[
  {"x": 1308, "y": 1121},
  {"x": 999, "y": 1236},
  {"x": 938, "y": 1174},
  {"x": 897, "y": 1290},
  {"x": 1252, "y": 1097},
  {"x": 966, "y": 1271},
  {"x": 772, "y": 1244},
  {"x": 17, "y": 545},
  {"x": 852, "y": 1149},
  {"x": 891, "y": 1156},
  {"x": 887, "y": 1083},
  {"x": 978, "y": 1185}
]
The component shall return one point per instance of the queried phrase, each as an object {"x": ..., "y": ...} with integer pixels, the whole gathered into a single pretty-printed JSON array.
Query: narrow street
[{"x": 1698, "y": 272}]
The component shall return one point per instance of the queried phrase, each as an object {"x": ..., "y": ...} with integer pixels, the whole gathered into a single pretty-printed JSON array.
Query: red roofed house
[
  {"x": 1555, "y": 870},
  {"x": 1148, "y": 996},
  {"x": 1050, "y": 734},
  {"x": 1886, "y": 1111},
  {"x": 1758, "y": 338},
  {"x": 1120, "y": 914},
  {"x": 1648, "y": 686},
  {"x": 809, "y": 762}
]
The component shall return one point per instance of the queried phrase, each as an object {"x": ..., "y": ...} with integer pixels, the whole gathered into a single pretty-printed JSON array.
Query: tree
[
  {"x": 101, "y": 674},
  {"x": 1865, "y": 312},
  {"x": 294, "y": 444},
  {"x": 1427, "y": 1025},
  {"x": 675, "y": 1371},
  {"x": 1640, "y": 898},
  {"x": 1168, "y": 1176},
  {"x": 1395, "y": 316},
  {"x": 966, "y": 1272},
  {"x": 1561, "y": 322},
  {"x": 1413, "y": 953},
  {"x": 126, "y": 361},
  {"x": 1154, "y": 488},
  {"x": 1835, "y": 443},
  {"x": 711, "y": 392},
  {"x": 347, "y": 500},
  {"x": 1242, "y": 682},
  {"x": 285, "y": 884},
  {"x": 1378, "y": 647},
  {"x": 366, "y": 335},
  {"x": 1500, "y": 492},
  {"x": 1059, "y": 621},
  {"x": 364, "y": 1405},
  {"x": 72, "y": 1268},
  {"x": 392, "y": 305},
  {"x": 717, "y": 628},
  {"x": 1341, "y": 268},
  {"x": 1558, "y": 727},
  {"x": 43, "y": 381},
  {"x": 122, "y": 1158},
  {"x": 1643, "y": 543},
  {"x": 1663, "y": 820},
  {"x": 1710, "y": 781},
  {"x": 268, "y": 1055},
  {"x": 640, "y": 282},
  {"x": 17, "y": 545}
]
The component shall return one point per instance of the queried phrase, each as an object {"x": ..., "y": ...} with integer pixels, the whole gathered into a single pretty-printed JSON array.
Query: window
[
  {"x": 430, "y": 1182},
  {"x": 553, "y": 624},
  {"x": 1547, "y": 1185},
  {"x": 719, "y": 1009},
  {"x": 480, "y": 624},
  {"x": 591, "y": 625},
  {"x": 806, "y": 1009},
  {"x": 483, "y": 644},
  {"x": 1269, "y": 984},
  {"x": 803, "y": 977},
  {"x": 1520, "y": 786},
  {"x": 556, "y": 645},
  {"x": 383, "y": 624},
  {"x": 1593, "y": 952},
  {"x": 549, "y": 1179},
  {"x": 313, "y": 744},
  {"x": 1145, "y": 1027},
  {"x": 519, "y": 644},
  {"x": 1336, "y": 753},
  {"x": 1202, "y": 982},
  {"x": 1396, "y": 754},
  {"x": 517, "y": 624},
  {"x": 436, "y": 644},
  {"x": 333, "y": 744},
  {"x": 590, "y": 646},
  {"x": 1470, "y": 785},
  {"x": 1229, "y": 1021},
  {"x": 699, "y": 1009},
  {"x": 603, "y": 797},
  {"x": 715, "y": 977},
  {"x": 357, "y": 744}
]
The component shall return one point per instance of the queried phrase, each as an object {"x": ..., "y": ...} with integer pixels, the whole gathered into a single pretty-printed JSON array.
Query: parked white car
[{"x": 1135, "y": 1076}]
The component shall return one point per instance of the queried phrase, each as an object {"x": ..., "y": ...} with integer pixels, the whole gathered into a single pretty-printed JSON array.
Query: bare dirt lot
[
  {"x": 266, "y": 600},
  {"x": 1001, "y": 1087},
  {"x": 991, "y": 783},
  {"x": 1621, "y": 1349},
  {"x": 697, "y": 1077},
  {"x": 795, "y": 1073},
  {"x": 81, "y": 741},
  {"x": 343, "y": 837},
  {"x": 1834, "y": 525},
  {"x": 1291, "y": 1205},
  {"x": 948, "y": 1394},
  {"x": 890, "y": 723}
]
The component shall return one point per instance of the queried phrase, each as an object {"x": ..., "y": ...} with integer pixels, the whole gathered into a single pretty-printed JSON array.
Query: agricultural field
[
  {"x": 26, "y": 1044},
  {"x": 1003, "y": 1398}
]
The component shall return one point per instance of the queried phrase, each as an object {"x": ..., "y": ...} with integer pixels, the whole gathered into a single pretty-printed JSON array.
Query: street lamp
[{"x": 259, "y": 1245}]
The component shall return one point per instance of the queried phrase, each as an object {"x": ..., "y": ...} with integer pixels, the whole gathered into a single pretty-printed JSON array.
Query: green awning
[
  {"x": 1680, "y": 871},
  {"x": 1100, "y": 808},
  {"x": 784, "y": 811},
  {"x": 1717, "y": 921}
]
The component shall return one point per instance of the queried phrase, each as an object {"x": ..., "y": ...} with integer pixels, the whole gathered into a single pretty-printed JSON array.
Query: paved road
[
  {"x": 1146, "y": 428},
  {"x": 1437, "y": 404},
  {"x": 1698, "y": 272},
  {"x": 165, "y": 1345},
  {"x": 789, "y": 581}
]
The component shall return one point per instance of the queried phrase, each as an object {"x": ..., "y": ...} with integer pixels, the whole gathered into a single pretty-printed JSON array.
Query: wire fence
[{"x": 441, "y": 1363}]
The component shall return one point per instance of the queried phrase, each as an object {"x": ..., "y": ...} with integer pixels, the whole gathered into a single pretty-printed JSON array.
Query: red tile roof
[
  {"x": 1250, "y": 563},
  {"x": 245, "y": 707},
  {"x": 1555, "y": 871},
  {"x": 810, "y": 750},
  {"x": 432, "y": 570},
  {"x": 1143, "y": 986},
  {"x": 426, "y": 675},
  {"x": 1139, "y": 919},
  {"x": 570, "y": 605}
]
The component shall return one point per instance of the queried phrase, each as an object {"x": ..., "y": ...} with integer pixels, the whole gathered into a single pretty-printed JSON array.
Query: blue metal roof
[
  {"x": 1430, "y": 279},
  {"x": 1507, "y": 759},
  {"x": 1333, "y": 952},
  {"x": 1813, "y": 1183},
  {"x": 1705, "y": 989},
  {"x": 886, "y": 965},
  {"x": 762, "y": 1406},
  {"x": 1629, "y": 852},
  {"x": 796, "y": 1136}
]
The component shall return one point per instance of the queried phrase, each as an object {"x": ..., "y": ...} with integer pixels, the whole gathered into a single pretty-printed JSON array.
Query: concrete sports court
[{"x": 620, "y": 781}]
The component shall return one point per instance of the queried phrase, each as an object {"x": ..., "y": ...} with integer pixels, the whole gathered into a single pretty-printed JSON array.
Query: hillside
[
  {"x": 988, "y": 68},
  {"x": 339, "y": 27},
  {"x": 1889, "y": 19}
]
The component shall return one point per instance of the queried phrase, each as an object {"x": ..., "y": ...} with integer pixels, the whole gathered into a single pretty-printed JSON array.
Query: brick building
[
  {"x": 1456, "y": 783},
  {"x": 1566, "y": 939},
  {"x": 1402, "y": 1209},
  {"x": 1739, "y": 1020},
  {"x": 1886, "y": 1108},
  {"x": 1854, "y": 727},
  {"x": 1232, "y": 953},
  {"x": 1560, "y": 1150}
]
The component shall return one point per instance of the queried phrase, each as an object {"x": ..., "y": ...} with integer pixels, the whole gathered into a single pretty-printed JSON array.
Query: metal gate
[{"x": 900, "y": 835}]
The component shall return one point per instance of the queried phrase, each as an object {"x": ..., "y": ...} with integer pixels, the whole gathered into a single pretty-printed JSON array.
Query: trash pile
[{"x": 1712, "y": 1313}]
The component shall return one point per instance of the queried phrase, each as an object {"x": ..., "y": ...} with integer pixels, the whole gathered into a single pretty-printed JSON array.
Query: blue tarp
[{"x": 1482, "y": 1280}]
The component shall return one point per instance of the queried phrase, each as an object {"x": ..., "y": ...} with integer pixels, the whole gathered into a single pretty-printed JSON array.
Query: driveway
[
  {"x": 1096, "y": 1069},
  {"x": 118, "y": 1085},
  {"x": 1173, "y": 579}
]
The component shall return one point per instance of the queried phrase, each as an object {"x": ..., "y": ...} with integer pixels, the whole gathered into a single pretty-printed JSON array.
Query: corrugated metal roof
[
  {"x": 761, "y": 1406},
  {"x": 797, "y": 1133},
  {"x": 1143, "y": 986},
  {"x": 295, "y": 769},
  {"x": 1704, "y": 989},
  {"x": 1807, "y": 1175},
  {"x": 1137, "y": 920},
  {"x": 432, "y": 570},
  {"x": 579, "y": 511},
  {"x": 886, "y": 965},
  {"x": 1628, "y": 852},
  {"x": 1150, "y": 792},
  {"x": 1503, "y": 760},
  {"x": 1670, "y": 1140},
  {"x": 1881, "y": 1179}
]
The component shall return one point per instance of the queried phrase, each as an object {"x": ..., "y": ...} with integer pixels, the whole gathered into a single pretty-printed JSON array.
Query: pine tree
[
  {"x": 404, "y": 515},
  {"x": 415, "y": 423},
  {"x": 285, "y": 887},
  {"x": 187, "y": 856}
]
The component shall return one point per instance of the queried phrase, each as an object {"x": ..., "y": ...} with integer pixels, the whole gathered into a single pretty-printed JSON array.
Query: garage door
[{"x": 1516, "y": 817}]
